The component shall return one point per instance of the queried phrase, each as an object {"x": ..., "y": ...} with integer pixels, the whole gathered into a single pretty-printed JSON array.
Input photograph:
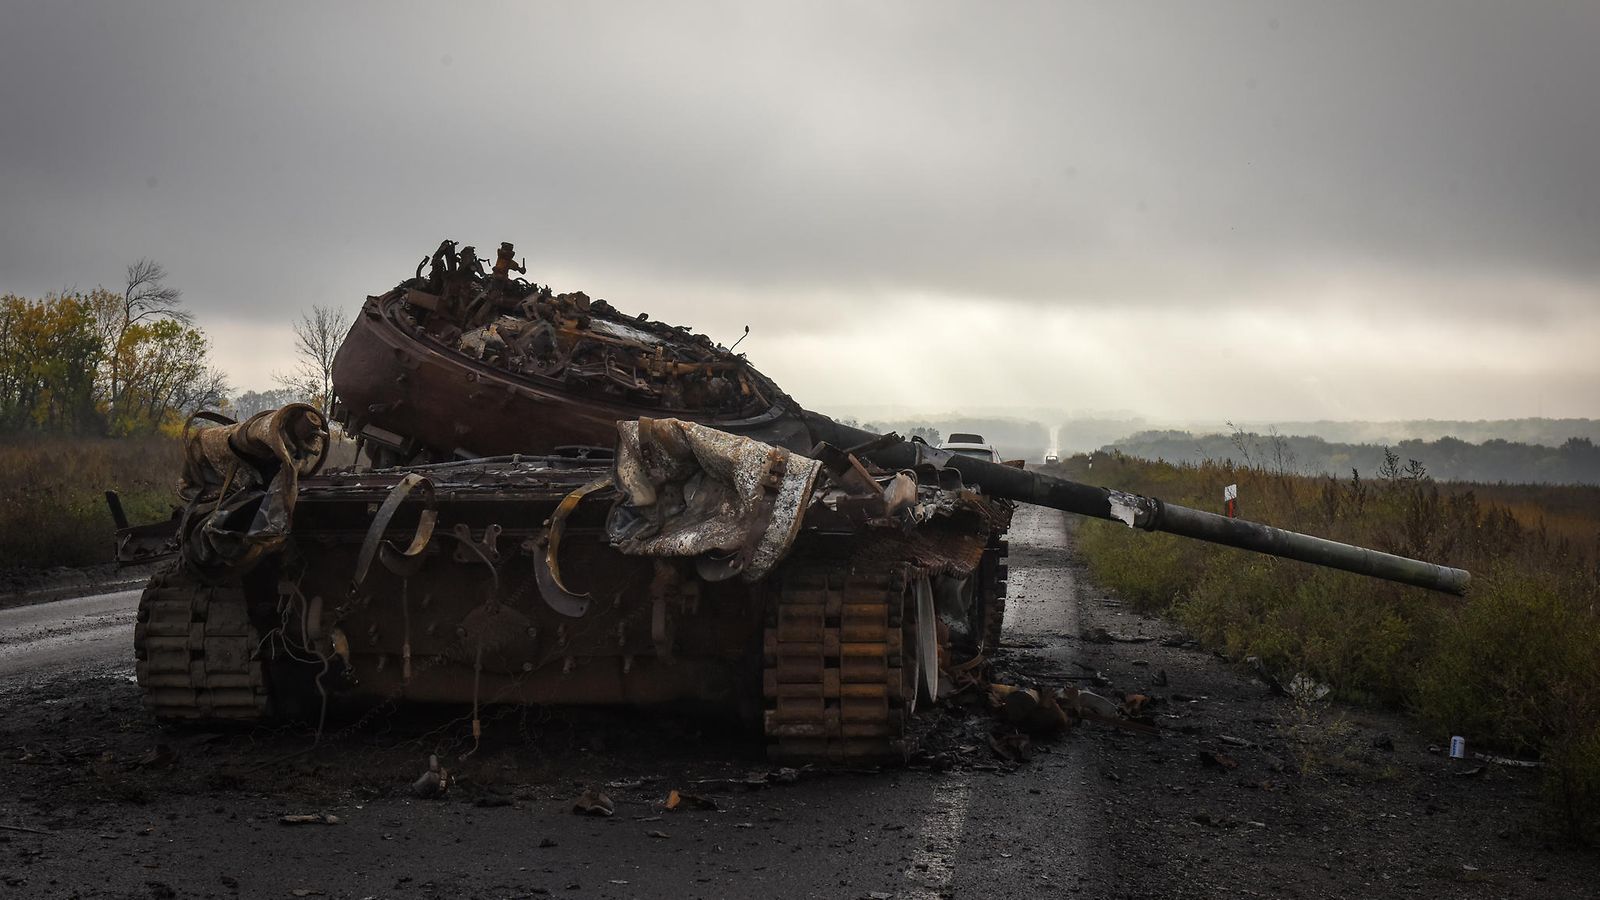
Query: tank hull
[{"x": 821, "y": 653}]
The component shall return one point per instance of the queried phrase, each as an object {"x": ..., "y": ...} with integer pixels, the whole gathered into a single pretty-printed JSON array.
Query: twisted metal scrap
[{"x": 241, "y": 480}]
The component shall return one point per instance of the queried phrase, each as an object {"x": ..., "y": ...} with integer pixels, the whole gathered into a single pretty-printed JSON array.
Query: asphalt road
[
  {"x": 65, "y": 635},
  {"x": 903, "y": 834},
  {"x": 112, "y": 805}
]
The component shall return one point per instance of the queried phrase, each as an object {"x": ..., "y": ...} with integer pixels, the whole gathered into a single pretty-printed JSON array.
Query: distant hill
[
  {"x": 1014, "y": 438},
  {"x": 1024, "y": 437},
  {"x": 1575, "y": 461},
  {"x": 1546, "y": 432}
]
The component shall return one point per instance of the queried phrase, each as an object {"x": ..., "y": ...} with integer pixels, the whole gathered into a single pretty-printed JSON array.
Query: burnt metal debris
[
  {"x": 453, "y": 365},
  {"x": 572, "y": 505}
]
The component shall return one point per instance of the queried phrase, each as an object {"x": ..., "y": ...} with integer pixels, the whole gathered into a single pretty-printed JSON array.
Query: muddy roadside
[{"x": 1288, "y": 796}]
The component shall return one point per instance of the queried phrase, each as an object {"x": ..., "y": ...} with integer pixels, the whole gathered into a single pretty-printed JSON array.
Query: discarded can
[{"x": 1458, "y": 747}]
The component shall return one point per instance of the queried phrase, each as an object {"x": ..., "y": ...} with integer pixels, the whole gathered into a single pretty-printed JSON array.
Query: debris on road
[
  {"x": 1030, "y": 709},
  {"x": 158, "y": 757},
  {"x": 679, "y": 800},
  {"x": 751, "y": 782},
  {"x": 1099, "y": 635},
  {"x": 1507, "y": 761},
  {"x": 1014, "y": 747},
  {"x": 1089, "y": 703},
  {"x": 310, "y": 819},
  {"x": 1305, "y": 688},
  {"x": 1267, "y": 678},
  {"x": 593, "y": 803},
  {"x": 433, "y": 783}
]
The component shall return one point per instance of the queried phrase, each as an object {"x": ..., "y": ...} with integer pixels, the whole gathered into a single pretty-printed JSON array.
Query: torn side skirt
[{"x": 944, "y": 532}]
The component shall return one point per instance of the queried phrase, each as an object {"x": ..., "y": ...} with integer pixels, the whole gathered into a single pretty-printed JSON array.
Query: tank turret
[{"x": 458, "y": 365}]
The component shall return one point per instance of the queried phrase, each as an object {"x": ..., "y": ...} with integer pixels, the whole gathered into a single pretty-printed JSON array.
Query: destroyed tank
[{"x": 576, "y": 507}]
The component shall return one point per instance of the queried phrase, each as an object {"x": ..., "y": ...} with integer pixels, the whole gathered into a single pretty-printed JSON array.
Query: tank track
[
  {"x": 838, "y": 687},
  {"x": 196, "y": 650},
  {"x": 993, "y": 571}
]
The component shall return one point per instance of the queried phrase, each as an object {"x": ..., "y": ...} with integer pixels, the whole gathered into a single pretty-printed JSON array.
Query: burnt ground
[{"x": 1322, "y": 800}]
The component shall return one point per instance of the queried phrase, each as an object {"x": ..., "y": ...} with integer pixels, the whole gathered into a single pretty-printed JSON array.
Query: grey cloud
[{"x": 1049, "y": 154}]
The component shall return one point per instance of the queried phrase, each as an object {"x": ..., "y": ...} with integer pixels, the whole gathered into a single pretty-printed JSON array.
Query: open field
[
  {"x": 1512, "y": 667},
  {"x": 52, "y": 495}
]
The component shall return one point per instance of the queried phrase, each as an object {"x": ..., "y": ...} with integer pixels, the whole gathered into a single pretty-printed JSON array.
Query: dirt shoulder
[{"x": 1252, "y": 793}]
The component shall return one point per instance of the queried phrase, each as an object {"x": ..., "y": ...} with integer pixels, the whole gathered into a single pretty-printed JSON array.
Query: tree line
[
  {"x": 129, "y": 362},
  {"x": 104, "y": 362},
  {"x": 1574, "y": 461}
]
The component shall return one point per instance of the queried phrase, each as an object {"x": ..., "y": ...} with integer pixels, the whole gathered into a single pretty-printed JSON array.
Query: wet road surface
[
  {"x": 67, "y": 634},
  {"x": 903, "y": 833},
  {"x": 119, "y": 807}
]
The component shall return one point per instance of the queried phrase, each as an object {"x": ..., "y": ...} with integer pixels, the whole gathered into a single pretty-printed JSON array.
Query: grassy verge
[
  {"x": 52, "y": 495},
  {"x": 1515, "y": 667}
]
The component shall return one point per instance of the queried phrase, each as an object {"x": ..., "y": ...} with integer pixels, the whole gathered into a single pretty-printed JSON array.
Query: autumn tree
[
  {"x": 119, "y": 363},
  {"x": 165, "y": 376},
  {"x": 146, "y": 298},
  {"x": 49, "y": 352},
  {"x": 317, "y": 337}
]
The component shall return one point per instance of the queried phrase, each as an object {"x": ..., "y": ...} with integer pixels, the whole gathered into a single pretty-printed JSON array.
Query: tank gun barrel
[{"x": 1147, "y": 513}]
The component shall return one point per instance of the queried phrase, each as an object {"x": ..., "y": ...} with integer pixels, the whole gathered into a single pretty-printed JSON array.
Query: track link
[
  {"x": 195, "y": 650},
  {"x": 838, "y": 685},
  {"x": 993, "y": 572}
]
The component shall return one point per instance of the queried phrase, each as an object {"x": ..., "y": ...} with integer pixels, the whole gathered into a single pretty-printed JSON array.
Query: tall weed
[
  {"x": 1515, "y": 667},
  {"x": 52, "y": 495}
]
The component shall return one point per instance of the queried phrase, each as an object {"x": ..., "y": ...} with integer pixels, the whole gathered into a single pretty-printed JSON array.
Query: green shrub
[
  {"x": 1149, "y": 571},
  {"x": 1517, "y": 670},
  {"x": 1515, "y": 667}
]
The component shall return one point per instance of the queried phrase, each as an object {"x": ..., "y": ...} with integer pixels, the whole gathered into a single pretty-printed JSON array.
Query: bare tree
[
  {"x": 209, "y": 391},
  {"x": 145, "y": 296},
  {"x": 249, "y": 403},
  {"x": 317, "y": 336}
]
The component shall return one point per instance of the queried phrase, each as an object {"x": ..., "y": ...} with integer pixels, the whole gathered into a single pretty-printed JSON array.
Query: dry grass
[
  {"x": 1513, "y": 667},
  {"x": 52, "y": 504}
]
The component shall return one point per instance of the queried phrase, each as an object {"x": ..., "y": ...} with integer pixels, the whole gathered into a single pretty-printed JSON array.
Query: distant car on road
[
  {"x": 1051, "y": 459},
  {"x": 971, "y": 445}
]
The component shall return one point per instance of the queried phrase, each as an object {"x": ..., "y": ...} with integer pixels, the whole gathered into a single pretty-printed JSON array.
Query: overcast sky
[{"x": 1206, "y": 210}]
